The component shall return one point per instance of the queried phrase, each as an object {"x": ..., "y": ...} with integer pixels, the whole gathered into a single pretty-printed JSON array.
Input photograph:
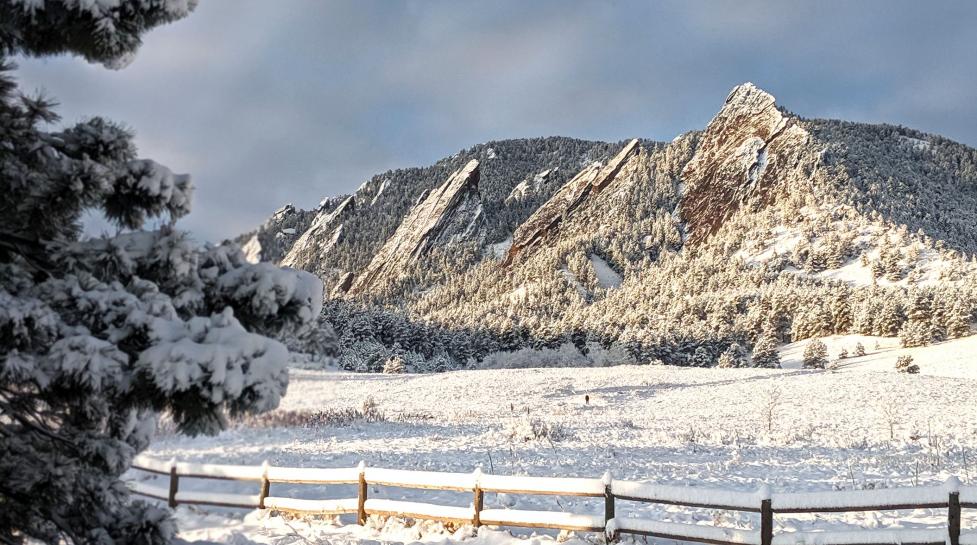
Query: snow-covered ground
[
  {"x": 955, "y": 359},
  {"x": 860, "y": 427}
]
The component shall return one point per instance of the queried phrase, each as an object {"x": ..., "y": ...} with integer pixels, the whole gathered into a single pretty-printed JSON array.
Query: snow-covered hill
[{"x": 954, "y": 359}]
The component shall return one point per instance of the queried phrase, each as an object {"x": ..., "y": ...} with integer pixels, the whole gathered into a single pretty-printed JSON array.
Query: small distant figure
[{"x": 586, "y": 399}]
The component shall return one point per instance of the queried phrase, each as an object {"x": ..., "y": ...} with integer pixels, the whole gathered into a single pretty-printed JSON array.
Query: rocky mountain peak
[
  {"x": 450, "y": 213},
  {"x": 324, "y": 232},
  {"x": 747, "y": 151}
]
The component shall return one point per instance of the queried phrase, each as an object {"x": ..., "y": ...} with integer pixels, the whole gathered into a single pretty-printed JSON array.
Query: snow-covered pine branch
[{"x": 99, "y": 336}]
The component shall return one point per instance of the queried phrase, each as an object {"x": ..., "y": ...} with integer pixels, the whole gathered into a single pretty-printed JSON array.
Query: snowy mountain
[{"x": 764, "y": 228}]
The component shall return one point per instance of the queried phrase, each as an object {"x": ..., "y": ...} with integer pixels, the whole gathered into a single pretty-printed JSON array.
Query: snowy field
[{"x": 862, "y": 426}]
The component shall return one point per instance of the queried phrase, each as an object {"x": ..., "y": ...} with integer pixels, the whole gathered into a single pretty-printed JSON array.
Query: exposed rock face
[
  {"x": 748, "y": 151},
  {"x": 449, "y": 213},
  {"x": 324, "y": 232},
  {"x": 343, "y": 285},
  {"x": 546, "y": 221},
  {"x": 275, "y": 236}
]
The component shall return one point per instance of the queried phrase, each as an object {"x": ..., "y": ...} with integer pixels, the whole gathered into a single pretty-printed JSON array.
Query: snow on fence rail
[{"x": 951, "y": 496}]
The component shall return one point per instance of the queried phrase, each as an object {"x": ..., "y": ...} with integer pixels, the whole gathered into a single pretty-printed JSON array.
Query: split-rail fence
[{"x": 951, "y": 496}]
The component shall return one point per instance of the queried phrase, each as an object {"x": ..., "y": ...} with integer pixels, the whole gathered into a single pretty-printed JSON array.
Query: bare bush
[
  {"x": 314, "y": 418},
  {"x": 531, "y": 428},
  {"x": 769, "y": 403},
  {"x": 891, "y": 416}
]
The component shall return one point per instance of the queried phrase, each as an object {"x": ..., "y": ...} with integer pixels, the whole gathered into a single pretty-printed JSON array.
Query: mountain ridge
[{"x": 747, "y": 230}]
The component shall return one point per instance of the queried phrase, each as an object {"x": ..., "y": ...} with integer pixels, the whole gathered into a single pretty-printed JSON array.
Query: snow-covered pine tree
[
  {"x": 890, "y": 318},
  {"x": 958, "y": 321},
  {"x": 815, "y": 355},
  {"x": 98, "y": 337},
  {"x": 841, "y": 313},
  {"x": 891, "y": 262},
  {"x": 734, "y": 356},
  {"x": 904, "y": 364},
  {"x": 918, "y": 328},
  {"x": 765, "y": 350},
  {"x": 394, "y": 365},
  {"x": 702, "y": 357}
]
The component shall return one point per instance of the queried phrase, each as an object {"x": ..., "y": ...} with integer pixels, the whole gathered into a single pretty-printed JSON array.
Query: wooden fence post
[
  {"x": 174, "y": 484},
  {"x": 766, "y": 522},
  {"x": 609, "y": 506},
  {"x": 265, "y": 485},
  {"x": 361, "y": 497},
  {"x": 478, "y": 500},
  {"x": 953, "y": 518}
]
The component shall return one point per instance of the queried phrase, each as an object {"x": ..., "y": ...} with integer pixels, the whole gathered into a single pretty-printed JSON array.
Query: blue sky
[{"x": 288, "y": 101}]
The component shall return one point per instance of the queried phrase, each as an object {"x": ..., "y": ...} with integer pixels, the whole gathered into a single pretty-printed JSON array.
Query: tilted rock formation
[
  {"x": 324, "y": 232},
  {"x": 587, "y": 184},
  {"x": 747, "y": 152},
  {"x": 272, "y": 239},
  {"x": 343, "y": 285},
  {"x": 449, "y": 213}
]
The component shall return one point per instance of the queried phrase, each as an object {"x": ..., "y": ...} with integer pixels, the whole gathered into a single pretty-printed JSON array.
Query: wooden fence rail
[{"x": 951, "y": 496}]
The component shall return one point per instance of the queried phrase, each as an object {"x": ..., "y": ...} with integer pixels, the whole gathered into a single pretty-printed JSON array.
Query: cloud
[{"x": 273, "y": 102}]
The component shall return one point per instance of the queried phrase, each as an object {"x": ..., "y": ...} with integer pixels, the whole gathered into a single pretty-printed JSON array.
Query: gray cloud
[{"x": 273, "y": 102}]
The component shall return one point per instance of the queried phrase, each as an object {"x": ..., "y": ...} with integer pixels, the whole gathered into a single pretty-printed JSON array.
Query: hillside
[{"x": 765, "y": 228}]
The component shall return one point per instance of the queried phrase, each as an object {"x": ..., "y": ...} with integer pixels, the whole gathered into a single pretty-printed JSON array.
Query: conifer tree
[
  {"x": 958, "y": 321},
  {"x": 702, "y": 357},
  {"x": 918, "y": 328},
  {"x": 765, "y": 351},
  {"x": 841, "y": 313},
  {"x": 904, "y": 364},
  {"x": 815, "y": 355},
  {"x": 100, "y": 336},
  {"x": 395, "y": 365},
  {"x": 732, "y": 357},
  {"x": 890, "y": 318}
]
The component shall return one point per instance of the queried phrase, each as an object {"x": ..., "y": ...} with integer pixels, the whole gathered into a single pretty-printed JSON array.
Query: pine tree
[
  {"x": 958, "y": 321},
  {"x": 918, "y": 328},
  {"x": 815, "y": 355},
  {"x": 891, "y": 262},
  {"x": 732, "y": 357},
  {"x": 904, "y": 364},
  {"x": 100, "y": 336},
  {"x": 841, "y": 313},
  {"x": 765, "y": 351},
  {"x": 394, "y": 365},
  {"x": 702, "y": 357},
  {"x": 878, "y": 269},
  {"x": 890, "y": 318}
]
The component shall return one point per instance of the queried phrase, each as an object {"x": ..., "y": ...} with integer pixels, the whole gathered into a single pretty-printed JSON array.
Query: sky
[{"x": 266, "y": 103}]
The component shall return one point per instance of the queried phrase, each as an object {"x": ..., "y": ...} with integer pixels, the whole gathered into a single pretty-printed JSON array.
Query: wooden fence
[{"x": 952, "y": 497}]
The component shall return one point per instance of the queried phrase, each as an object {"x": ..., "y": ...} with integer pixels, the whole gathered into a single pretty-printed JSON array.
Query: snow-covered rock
[
  {"x": 450, "y": 213},
  {"x": 319, "y": 238},
  {"x": 590, "y": 182},
  {"x": 749, "y": 149}
]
